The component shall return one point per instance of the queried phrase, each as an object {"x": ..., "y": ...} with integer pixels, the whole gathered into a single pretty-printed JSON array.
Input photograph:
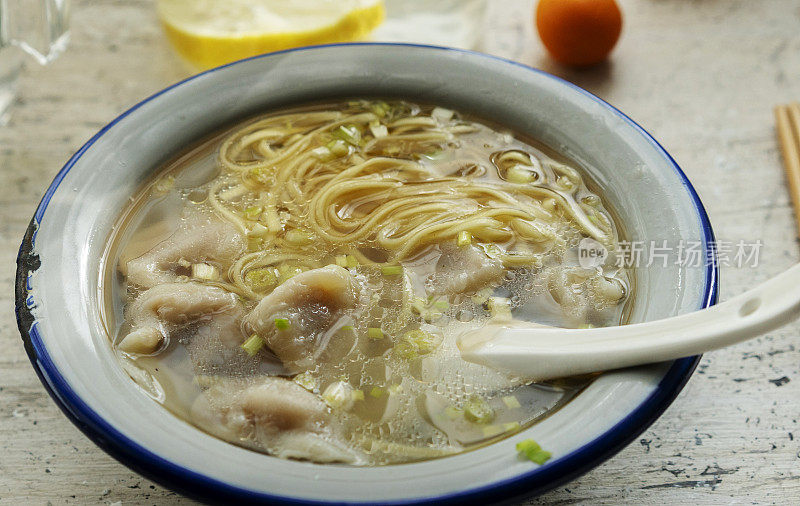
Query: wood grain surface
[{"x": 702, "y": 76}]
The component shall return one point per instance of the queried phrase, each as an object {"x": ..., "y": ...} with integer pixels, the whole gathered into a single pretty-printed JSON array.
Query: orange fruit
[{"x": 579, "y": 32}]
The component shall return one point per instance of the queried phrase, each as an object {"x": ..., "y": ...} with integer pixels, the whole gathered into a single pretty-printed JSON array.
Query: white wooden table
[{"x": 702, "y": 77}]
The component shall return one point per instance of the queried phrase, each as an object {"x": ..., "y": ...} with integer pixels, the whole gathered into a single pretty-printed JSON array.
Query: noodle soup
[{"x": 298, "y": 284}]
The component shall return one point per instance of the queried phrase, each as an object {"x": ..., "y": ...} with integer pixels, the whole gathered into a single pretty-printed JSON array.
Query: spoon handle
[{"x": 541, "y": 353}]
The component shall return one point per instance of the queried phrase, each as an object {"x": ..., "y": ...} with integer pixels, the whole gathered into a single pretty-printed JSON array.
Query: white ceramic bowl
[{"x": 57, "y": 278}]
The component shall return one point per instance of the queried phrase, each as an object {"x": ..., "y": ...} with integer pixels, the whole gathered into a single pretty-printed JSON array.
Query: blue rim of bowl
[{"x": 202, "y": 487}]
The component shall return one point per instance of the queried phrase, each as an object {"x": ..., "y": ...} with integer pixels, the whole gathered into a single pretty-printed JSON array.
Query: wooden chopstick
[{"x": 787, "y": 119}]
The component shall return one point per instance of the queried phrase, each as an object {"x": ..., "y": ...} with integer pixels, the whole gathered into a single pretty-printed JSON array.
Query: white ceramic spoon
[{"x": 539, "y": 352}]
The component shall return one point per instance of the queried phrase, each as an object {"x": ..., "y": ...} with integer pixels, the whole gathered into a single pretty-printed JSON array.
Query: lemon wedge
[{"x": 208, "y": 33}]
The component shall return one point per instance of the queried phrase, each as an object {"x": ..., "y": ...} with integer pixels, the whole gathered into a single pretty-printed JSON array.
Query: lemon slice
[{"x": 212, "y": 32}]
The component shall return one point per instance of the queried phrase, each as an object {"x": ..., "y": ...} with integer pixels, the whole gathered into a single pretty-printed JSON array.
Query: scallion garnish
[
  {"x": 415, "y": 343},
  {"x": 533, "y": 452},
  {"x": 204, "y": 272},
  {"x": 477, "y": 410},
  {"x": 347, "y": 133},
  {"x": 442, "y": 114},
  {"x": 253, "y": 212},
  {"x": 378, "y": 130},
  {"x": 491, "y": 430},
  {"x": 273, "y": 220},
  {"x": 511, "y": 402},
  {"x": 261, "y": 279},
  {"x": 464, "y": 238},
  {"x": 253, "y": 344},
  {"x": 257, "y": 230},
  {"x": 282, "y": 323},
  {"x": 339, "y": 395},
  {"x": 374, "y": 333},
  {"x": 306, "y": 380},
  {"x": 392, "y": 270},
  {"x": 380, "y": 108},
  {"x": 442, "y": 305},
  {"x": 338, "y": 148},
  {"x": 500, "y": 308}
]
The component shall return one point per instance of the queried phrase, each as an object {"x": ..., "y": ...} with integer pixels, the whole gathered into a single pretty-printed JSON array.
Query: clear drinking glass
[
  {"x": 453, "y": 23},
  {"x": 35, "y": 27}
]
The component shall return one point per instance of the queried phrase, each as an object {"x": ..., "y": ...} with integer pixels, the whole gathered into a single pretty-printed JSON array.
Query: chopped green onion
[
  {"x": 376, "y": 392},
  {"x": 500, "y": 308},
  {"x": 282, "y": 323},
  {"x": 347, "y": 133},
  {"x": 306, "y": 380},
  {"x": 392, "y": 270},
  {"x": 432, "y": 316},
  {"x": 358, "y": 395},
  {"x": 288, "y": 271},
  {"x": 511, "y": 426},
  {"x": 257, "y": 230},
  {"x": 341, "y": 260},
  {"x": 491, "y": 430},
  {"x": 464, "y": 238},
  {"x": 442, "y": 114},
  {"x": 204, "y": 272},
  {"x": 273, "y": 220},
  {"x": 299, "y": 237},
  {"x": 477, "y": 410},
  {"x": 481, "y": 295},
  {"x": 415, "y": 343},
  {"x": 165, "y": 184},
  {"x": 395, "y": 389},
  {"x": 380, "y": 108},
  {"x": 492, "y": 250},
  {"x": 352, "y": 262},
  {"x": 338, "y": 148},
  {"x": 253, "y": 212},
  {"x": 261, "y": 279},
  {"x": 533, "y": 452},
  {"x": 258, "y": 173},
  {"x": 348, "y": 328},
  {"x": 253, "y": 344},
  {"x": 511, "y": 402},
  {"x": 519, "y": 175},
  {"x": 374, "y": 333},
  {"x": 418, "y": 305},
  {"x": 442, "y": 305},
  {"x": 254, "y": 244},
  {"x": 378, "y": 130},
  {"x": 339, "y": 395}
]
